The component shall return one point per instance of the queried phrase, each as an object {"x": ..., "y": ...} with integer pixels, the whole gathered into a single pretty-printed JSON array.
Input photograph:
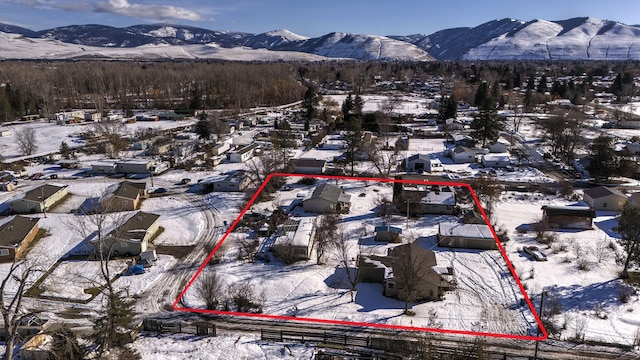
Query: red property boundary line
[{"x": 544, "y": 334}]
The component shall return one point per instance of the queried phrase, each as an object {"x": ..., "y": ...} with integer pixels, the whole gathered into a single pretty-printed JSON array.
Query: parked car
[
  {"x": 35, "y": 176},
  {"x": 160, "y": 191},
  {"x": 535, "y": 253},
  {"x": 185, "y": 181}
]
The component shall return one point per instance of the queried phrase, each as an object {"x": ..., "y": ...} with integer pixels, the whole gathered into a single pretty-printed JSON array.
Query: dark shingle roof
[
  {"x": 42, "y": 192},
  {"x": 129, "y": 190},
  {"x": 327, "y": 192},
  {"x": 602, "y": 191},
  {"x": 577, "y": 211},
  {"x": 136, "y": 226},
  {"x": 14, "y": 231}
]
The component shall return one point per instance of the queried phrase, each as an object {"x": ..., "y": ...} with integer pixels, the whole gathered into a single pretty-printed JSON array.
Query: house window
[
  {"x": 604, "y": 205},
  {"x": 391, "y": 285},
  {"x": 4, "y": 252}
]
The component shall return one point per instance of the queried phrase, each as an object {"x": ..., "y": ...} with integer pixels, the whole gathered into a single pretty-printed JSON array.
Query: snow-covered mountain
[
  {"x": 574, "y": 39},
  {"x": 508, "y": 39},
  {"x": 362, "y": 47},
  {"x": 15, "y": 46},
  {"x": 504, "y": 39}
]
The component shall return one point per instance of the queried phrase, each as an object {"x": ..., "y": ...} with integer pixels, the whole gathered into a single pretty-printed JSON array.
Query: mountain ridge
[{"x": 576, "y": 38}]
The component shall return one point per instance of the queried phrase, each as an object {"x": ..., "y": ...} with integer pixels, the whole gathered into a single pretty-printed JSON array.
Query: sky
[{"x": 308, "y": 18}]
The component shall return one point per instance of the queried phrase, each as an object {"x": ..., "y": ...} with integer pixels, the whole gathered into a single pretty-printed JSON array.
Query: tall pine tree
[{"x": 486, "y": 125}]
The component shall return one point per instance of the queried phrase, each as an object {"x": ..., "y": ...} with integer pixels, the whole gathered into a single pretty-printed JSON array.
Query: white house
[
  {"x": 463, "y": 154},
  {"x": 420, "y": 162},
  {"x": 308, "y": 166},
  {"x": 242, "y": 154},
  {"x": 496, "y": 160},
  {"x": 500, "y": 146}
]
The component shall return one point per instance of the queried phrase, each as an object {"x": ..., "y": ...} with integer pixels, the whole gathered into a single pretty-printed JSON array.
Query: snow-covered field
[
  {"x": 587, "y": 299},
  {"x": 486, "y": 299}
]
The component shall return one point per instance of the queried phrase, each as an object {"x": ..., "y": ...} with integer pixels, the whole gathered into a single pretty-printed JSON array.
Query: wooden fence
[{"x": 200, "y": 328}]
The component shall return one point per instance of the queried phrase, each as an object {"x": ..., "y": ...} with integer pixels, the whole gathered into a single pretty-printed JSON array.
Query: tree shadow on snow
[
  {"x": 584, "y": 298},
  {"x": 607, "y": 226},
  {"x": 338, "y": 280},
  {"x": 370, "y": 297}
]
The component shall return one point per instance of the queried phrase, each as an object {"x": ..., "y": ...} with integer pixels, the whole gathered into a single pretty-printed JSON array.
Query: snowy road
[{"x": 165, "y": 290}]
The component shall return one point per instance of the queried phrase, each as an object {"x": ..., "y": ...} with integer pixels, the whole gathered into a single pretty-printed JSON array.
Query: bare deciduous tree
[
  {"x": 342, "y": 253},
  {"x": 409, "y": 274},
  {"x": 26, "y": 139},
  {"x": 325, "y": 235},
  {"x": 210, "y": 289},
  {"x": 11, "y": 303}
]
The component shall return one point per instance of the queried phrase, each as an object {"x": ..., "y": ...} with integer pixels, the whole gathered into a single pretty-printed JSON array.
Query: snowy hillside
[
  {"x": 14, "y": 46},
  {"x": 568, "y": 40},
  {"x": 363, "y": 47}
]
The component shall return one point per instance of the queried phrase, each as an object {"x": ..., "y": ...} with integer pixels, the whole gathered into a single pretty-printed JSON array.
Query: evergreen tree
[
  {"x": 112, "y": 329},
  {"x": 495, "y": 90},
  {"x": 203, "y": 127},
  {"x": 542, "y": 85},
  {"x": 358, "y": 105},
  {"x": 65, "y": 150},
  {"x": 603, "y": 160},
  {"x": 353, "y": 139},
  {"x": 195, "y": 102},
  {"x": 310, "y": 102},
  {"x": 486, "y": 125},
  {"x": 347, "y": 107},
  {"x": 481, "y": 94},
  {"x": 448, "y": 108}
]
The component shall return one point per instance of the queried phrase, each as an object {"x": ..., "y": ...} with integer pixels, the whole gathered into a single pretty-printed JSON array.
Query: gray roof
[
  {"x": 476, "y": 231},
  {"x": 330, "y": 193},
  {"x": 42, "y": 192},
  {"x": 602, "y": 191},
  {"x": 577, "y": 211},
  {"x": 135, "y": 228},
  {"x": 308, "y": 163},
  {"x": 419, "y": 156},
  {"x": 129, "y": 189},
  {"x": 15, "y": 230},
  {"x": 461, "y": 149}
]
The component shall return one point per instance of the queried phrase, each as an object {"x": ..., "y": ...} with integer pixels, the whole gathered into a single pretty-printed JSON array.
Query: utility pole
[{"x": 535, "y": 356}]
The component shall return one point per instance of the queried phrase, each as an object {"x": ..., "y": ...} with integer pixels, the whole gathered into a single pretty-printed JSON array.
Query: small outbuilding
[
  {"x": 470, "y": 236},
  {"x": 569, "y": 217},
  {"x": 388, "y": 233},
  {"x": 602, "y": 198}
]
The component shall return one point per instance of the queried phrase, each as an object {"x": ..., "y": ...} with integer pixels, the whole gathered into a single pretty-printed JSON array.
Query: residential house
[
  {"x": 220, "y": 148},
  {"x": 388, "y": 233},
  {"x": 5, "y": 132},
  {"x": 134, "y": 167},
  {"x": 602, "y": 198},
  {"x": 426, "y": 199},
  {"x": 308, "y": 166},
  {"x": 496, "y": 160},
  {"x": 420, "y": 163},
  {"x": 125, "y": 196},
  {"x": 327, "y": 198},
  {"x": 569, "y": 217},
  {"x": 295, "y": 238},
  {"x": 471, "y": 236},
  {"x": 16, "y": 233},
  {"x": 463, "y": 154},
  {"x": 406, "y": 259},
  {"x": 39, "y": 199},
  {"x": 130, "y": 238},
  {"x": 233, "y": 181},
  {"x": 500, "y": 146},
  {"x": 463, "y": 140},
  {"x": 104, "y": 168},
  {"x": 243, "y": 154}
]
